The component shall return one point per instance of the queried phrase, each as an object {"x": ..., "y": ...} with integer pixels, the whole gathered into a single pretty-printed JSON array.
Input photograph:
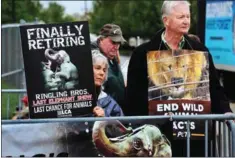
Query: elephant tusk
[
  {"x": 150, "y": 153},
  {"x": 123, "y": 128}
]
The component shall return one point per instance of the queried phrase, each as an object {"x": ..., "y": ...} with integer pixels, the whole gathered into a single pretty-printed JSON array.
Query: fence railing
[
  {"x": 224, "y": 141},
  {"x": 12, "y": 72},
  {"x": 216, "y": 117}
]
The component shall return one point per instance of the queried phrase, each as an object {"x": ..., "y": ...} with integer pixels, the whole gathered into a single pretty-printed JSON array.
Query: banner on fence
[
  {"x": 179, "y": 83},
  {"x": 137, "y": 138},
  {"x": 59, "y": 82}
]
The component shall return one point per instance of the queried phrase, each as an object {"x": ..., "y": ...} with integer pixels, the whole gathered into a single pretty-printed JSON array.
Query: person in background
[
  {"x": 24, "y": 112},
  {"x": 108, "y": 44},
  {"x": 106, "y": 105}
]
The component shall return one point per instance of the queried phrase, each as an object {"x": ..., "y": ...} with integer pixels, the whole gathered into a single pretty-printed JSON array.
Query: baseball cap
[{"x": 114, "y": 32}]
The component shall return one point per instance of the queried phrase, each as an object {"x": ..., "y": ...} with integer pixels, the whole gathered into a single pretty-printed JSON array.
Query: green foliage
[
  {"x": 6, "y": 11},
  {"x": 136, "y": 18},
  {"x": 69, "y": 18},
  {"x": 194, "y": 10},
  {"x": 55, "y": 13},
  {"x": 24, "y": 9},
  {"x": 29, "y": 10},
  {"x": 13, "y": 101}
]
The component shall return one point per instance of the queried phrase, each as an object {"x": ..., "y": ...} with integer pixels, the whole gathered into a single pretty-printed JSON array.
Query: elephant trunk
[
  {"x": 164, "y": 150},
  {"x": 103, "y": 143},
  {"x": 49, "y": 56}
]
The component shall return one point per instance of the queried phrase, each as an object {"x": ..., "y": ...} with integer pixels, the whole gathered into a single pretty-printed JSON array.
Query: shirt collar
[
  {"x": 181, "y": 44},
  {"x": 102, "y": 95}
]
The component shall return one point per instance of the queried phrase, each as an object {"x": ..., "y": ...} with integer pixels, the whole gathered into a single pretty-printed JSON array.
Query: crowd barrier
[{"x": 222, "y": 145}]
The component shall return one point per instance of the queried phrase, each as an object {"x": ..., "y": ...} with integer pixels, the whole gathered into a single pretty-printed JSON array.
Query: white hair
[
  {"x": 97, "y": 56},
  {"x": 168, "y": 5}
]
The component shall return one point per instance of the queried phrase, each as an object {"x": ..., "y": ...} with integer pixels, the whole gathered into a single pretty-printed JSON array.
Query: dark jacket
[
  {"x": 109, "y": 105},
  {"x": 137, "y": 81},
  {"x": 114, "y": 86}
]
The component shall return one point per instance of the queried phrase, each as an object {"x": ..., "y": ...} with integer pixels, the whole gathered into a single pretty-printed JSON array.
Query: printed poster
[
  {"x": 58, "y": 69},
  {"x": 179, "y": 83},
  {"x": 220, "y": 32},
  {"x": 137, "y": 138}
]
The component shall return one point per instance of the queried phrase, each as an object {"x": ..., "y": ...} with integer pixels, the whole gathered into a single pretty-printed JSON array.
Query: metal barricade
[
  {"x": 12, "y": 59},
  {"x": 224, "y": 142}
]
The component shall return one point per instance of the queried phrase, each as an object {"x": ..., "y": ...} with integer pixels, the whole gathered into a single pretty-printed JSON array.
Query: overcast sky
[{"x": 71, "y": 6}]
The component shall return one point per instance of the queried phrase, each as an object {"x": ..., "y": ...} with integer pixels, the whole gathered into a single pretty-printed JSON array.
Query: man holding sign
[{"x": 173, "y": 73}]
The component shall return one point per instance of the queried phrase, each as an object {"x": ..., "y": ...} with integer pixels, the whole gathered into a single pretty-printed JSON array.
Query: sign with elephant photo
[
  {"x": 137, "y": 138},
  {"x": 58, "y": 69},
  {"x": 179, "y": 83}
]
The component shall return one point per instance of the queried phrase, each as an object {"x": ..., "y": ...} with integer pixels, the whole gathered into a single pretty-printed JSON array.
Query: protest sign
[
  {"x": 179, "y": 83},
  {"x": 58, "y": 69}
]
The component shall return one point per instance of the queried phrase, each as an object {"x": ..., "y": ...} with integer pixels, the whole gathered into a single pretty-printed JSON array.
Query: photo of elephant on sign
[
  {"x": 144, "y": 141},
  {"x": 65, "y": 76}
]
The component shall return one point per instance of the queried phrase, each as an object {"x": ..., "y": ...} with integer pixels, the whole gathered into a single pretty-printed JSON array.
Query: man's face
[
  {"x": 109, "y": 48},
  {"x": 178, "y": 20}
]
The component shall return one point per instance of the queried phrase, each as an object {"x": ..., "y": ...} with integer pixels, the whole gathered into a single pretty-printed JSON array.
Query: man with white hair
[{"x": 176, "y": 20}]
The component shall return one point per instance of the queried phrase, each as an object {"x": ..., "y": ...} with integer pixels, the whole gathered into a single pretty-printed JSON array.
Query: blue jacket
[{"x": 109, "y": 105}]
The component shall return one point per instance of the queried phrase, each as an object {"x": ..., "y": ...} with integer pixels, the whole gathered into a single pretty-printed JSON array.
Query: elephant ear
[{"x": 166, "y": 140}]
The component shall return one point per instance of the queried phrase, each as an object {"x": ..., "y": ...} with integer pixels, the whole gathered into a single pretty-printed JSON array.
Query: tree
[
  {"x": 102, "y": 13},
  {"x": 6, "y": 11},
  {"x": 26, "y": 10},
  {"x": 55, "y": 13},
  {"x": 136, "y": 18},
  {"x": 194, "y": 11},
  {"x": 29, "y": 10}
]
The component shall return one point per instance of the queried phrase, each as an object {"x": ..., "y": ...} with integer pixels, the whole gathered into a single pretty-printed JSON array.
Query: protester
[
  {"x": 176, "y": 20},
  {"x": 108, "y": 44},
  {"x": 106, "y": 105}
]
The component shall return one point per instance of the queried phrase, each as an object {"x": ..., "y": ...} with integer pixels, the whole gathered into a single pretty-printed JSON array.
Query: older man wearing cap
[{"x": 108, "y": 43}]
